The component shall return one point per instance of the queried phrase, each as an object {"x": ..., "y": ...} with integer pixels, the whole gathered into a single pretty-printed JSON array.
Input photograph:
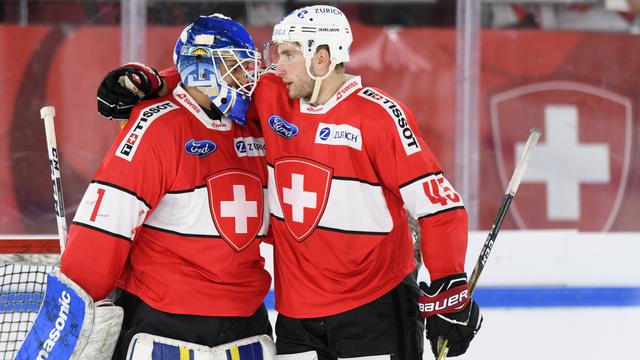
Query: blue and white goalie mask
[{"x": 217, "y": 56}]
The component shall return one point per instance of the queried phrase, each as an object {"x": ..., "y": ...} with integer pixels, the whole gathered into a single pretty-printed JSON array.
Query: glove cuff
[{"x": 449, "y": 294}]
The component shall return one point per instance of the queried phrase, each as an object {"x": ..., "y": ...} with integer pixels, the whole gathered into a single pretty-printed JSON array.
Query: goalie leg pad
[
  {"x": 106, "y": 329},
  {"x": 146, "y": 346},
  {"x": 63, "y": 324}
]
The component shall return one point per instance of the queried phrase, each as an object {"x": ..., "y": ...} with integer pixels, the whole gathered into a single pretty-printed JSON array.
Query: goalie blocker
[{"x": 70, "y": 326}]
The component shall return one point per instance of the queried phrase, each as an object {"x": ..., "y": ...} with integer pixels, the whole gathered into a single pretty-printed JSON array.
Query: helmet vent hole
[{"x": 223, "y": 100}]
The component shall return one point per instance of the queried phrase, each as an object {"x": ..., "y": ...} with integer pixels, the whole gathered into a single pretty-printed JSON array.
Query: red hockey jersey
[
  {"x": 341, "y": 177},
  {"x": 173, "y": 213}
]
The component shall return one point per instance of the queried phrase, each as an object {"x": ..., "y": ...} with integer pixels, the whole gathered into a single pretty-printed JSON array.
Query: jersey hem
[
  {"x": 196, "y": 311},
  {"x": 350, "y": 306}
]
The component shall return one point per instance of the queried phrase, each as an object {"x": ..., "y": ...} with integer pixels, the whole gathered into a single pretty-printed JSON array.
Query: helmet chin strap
[{"x": 318, "y": 80}]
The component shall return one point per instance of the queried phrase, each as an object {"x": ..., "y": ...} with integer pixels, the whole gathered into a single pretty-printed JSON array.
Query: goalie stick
[
  {"x": 512, "y": 188},
  {"x": 47, "y": 113}
]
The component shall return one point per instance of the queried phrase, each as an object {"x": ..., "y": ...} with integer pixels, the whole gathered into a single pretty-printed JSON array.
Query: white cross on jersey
[
  {"x": 239, "y": 208},
  {"x": 298, "y": 198},
  {"x": 563, "y": 163}
]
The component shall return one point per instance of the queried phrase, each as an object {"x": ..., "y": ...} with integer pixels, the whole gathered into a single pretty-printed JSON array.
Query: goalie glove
[
  {"x": 450, "y": 312},
  {"x": 124, "y": 87}
]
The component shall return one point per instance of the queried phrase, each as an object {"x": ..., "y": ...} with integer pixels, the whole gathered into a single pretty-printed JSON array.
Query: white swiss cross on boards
[{"x": 563, "y": 163}]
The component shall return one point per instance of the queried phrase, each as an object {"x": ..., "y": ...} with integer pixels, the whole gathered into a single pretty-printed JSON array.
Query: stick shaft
[
  {"x": 47, "y": 113},
  {"x": 512, "y": 188}
]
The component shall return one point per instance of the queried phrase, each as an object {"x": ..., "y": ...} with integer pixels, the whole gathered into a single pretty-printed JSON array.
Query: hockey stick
[
  {"x": 47, "y": 113},
  {"x": 512, "y": 188}
]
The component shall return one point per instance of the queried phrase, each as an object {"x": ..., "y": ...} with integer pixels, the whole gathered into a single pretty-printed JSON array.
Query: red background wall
[{"x": 63, "y": 67}]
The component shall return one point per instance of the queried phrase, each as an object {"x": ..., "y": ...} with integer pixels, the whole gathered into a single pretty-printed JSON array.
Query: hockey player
[
  {"x": 175, "y": 214},
  {"x": 346, "y": 163}
]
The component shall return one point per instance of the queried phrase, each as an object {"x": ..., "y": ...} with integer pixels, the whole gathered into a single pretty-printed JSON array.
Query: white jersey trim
[
  {"x": 192, "y": 207},
  {"x": 184, "y": 99},
  {"x": 111, "y": 209},
  {"x": 441, "y": 195},
  {"x": 352, "y": 206},
  {"x": 351, "y": 86}
]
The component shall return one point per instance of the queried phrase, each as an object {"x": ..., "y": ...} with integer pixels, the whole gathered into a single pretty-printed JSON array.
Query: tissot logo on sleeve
[
  {"x": 407, "y": 137},
  {"x": 148, "y": 115}
]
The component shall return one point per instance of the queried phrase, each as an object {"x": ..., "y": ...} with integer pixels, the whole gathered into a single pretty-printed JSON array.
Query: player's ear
[{"x": 322, "y": 59}]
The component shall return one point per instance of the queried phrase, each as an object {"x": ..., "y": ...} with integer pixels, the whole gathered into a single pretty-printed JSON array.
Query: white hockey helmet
[
  {"x": 310, "y": 27},
  {"x": 313, "y": 26}
]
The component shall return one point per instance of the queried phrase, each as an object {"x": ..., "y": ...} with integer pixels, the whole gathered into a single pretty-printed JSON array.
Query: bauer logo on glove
[
  {"x": 451, "y": 313},
  {"x": 452, "y": 300}
]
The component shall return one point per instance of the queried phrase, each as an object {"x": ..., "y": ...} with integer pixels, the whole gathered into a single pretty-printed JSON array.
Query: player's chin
[{"x": 293, "y": 94}]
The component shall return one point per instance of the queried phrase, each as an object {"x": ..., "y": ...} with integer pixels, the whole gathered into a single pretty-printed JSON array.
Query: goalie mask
[
  {"x": 217, "y": 56},
  {"x": 308, "y": 28}
]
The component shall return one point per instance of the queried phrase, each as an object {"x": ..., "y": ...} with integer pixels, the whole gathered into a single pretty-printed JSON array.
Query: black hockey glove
[
  {"x": 124, "y": 87},
  {"x": 450, "y": 313}
]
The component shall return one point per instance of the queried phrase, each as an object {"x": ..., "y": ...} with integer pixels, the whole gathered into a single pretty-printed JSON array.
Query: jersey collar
[
  {"x": 354, "y": 84},
  {"x": 184, "y": 99}
]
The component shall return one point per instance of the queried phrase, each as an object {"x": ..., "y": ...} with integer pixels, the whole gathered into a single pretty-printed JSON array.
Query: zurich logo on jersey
[
  {"x": 201, "y": 148},
  {"x": 283, "y": 128},
  {"x": 324, "y": 133},
  {"x": 241, "y": 147}
]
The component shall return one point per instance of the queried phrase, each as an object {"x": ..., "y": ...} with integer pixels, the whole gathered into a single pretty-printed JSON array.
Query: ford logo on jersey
[
  {"x": 283, "y": 128},
  {"x": 201, "y": 148}
]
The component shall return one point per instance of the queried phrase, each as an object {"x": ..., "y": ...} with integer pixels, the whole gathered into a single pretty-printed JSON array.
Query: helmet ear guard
[{"x": 216, "y": 55}]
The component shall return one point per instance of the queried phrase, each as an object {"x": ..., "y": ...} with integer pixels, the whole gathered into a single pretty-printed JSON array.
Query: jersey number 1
[{"x": 94, "y": 213}]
